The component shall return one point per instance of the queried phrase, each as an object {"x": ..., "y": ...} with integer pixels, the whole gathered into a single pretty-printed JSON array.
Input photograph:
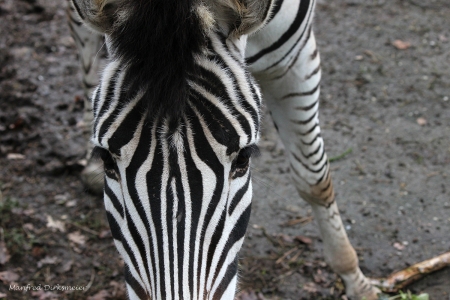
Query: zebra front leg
[{"x": 291, "y": 92}]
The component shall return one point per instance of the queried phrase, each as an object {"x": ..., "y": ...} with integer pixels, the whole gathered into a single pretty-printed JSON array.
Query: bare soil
[{"x": 385, "y": 116}]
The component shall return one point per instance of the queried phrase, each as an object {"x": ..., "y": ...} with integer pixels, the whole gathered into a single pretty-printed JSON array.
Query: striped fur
[{"x": 176, "y": 121}]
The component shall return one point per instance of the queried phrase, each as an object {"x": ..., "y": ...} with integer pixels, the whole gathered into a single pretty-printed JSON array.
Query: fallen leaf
[
  {"x": 2, "y": 295},
  {"x": 28, "y": 212},
  {"x": 105, "y": 233},
  {"x": 310, "y": 287},
  {"x": 319, "y": 277},
  {"x": 66, "y": 266},
  {"x": 102, "y": 295},
  {"x": 303, "y": 239},
  {"x": 119, "y": 290},
  {"x": 77, "y": 238},
  {"x": 421, "y": 121},
  {"x": 44, "y": 295},
  {"x": 55, "y": 225},
  {"x": 71, "y": 203},
  {"x": 8, "y": 276},
  {"x": 29, "y": 227},
  {"x": 15, "y": 156},
  {"x": 398, "y": 246},
  {"x": 37, "y": 251},
  {"x": 285, "y": 238},
  {"x": 401, "y": 45},
  {"x": 47, "y": 261}
]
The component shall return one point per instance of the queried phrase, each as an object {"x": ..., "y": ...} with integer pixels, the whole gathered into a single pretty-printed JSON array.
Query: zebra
[{"x": 176, "y": 121}]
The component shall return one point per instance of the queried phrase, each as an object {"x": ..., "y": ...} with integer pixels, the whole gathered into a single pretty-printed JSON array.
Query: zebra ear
[
  {"x": 242, "y": 16},
  {"x": 99, "y": 15}
]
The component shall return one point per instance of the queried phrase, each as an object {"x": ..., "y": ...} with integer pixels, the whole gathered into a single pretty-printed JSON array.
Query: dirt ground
[{"x": 385, "y": 116}]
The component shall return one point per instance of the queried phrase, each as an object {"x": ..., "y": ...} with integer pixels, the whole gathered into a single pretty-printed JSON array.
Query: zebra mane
[{"x": 158, "y": 40}]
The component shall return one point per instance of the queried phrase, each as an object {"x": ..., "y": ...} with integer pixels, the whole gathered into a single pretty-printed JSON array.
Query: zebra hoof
[{"x": 92, "y": 177}]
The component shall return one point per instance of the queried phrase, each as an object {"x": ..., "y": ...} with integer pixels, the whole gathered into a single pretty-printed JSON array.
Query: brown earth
[{"x": 385, "y": 105}]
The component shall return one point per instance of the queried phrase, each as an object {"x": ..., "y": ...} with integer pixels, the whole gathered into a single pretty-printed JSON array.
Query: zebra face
[{"x": 176, "y": 122}]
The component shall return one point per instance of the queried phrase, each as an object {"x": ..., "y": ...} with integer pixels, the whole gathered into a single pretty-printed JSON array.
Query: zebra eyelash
[
  {"x": 103, "y": 154},
  {"x": 250, "y": 151}
]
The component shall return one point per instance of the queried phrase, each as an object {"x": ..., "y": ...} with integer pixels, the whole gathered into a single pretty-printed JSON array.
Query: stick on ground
[{"x": 401, "y": 279}]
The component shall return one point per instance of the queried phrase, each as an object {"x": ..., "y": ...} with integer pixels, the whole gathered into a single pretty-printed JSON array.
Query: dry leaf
[
  {"x": 421, "y": 121},
  {"x": 303, "y": 239},
  {"x": 310, "y": 287},
  {"x": 37, "y": 251},
  {"x": 8, "y": 276},
  {"x": 102, "y": 295},
  {"x": 119, "y": 290},
  {"x": 2, "y": 295},
  {"x": 66, "y": 266},
  {"x": 15, "y": 156},
  {"x": 71, "y": 203},
  {"x": 47, "y": 261},
  {"x": 77, "y": 238},
  {"x": 285, "y": 238},
  {"x": 55, "y": 225},
  {"x": 399, "y": 246},
  {"x": 29, "y": 227},
  {"x": 44, "y": 295},
  {"x": 105, "y": 234},
  {"x": 401, "y": 45}
]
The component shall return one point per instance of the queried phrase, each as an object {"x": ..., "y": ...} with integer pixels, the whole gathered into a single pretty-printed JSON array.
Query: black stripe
[
  {"x": 238, "y": 196},
  {"x": 134, "y": 284},
  {"x": 308, "y": 167},
  {"x": 301, "y": 13},
  {"x": 116, "y": 231},
  {"x": 304, "y": 122},
  {"x": 312, "y": 141},
  {"x": 137, "y": 238},
  {"x": 293, "y": 61},
  {"x": 219, "y": 125},
  {"x": 302, "y": 94},
  {"x": 111, "y": 86},
  {"x": 139, "y": 156},
  {"x": 96, "y": 100},
  {"x": 306, "y": 108},
  {"x": 238, "y": 232},
  {"x": 124, "y": 133},
  {"x": 116, "y": 203}
]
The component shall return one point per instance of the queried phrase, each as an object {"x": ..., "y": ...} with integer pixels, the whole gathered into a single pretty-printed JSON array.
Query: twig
[
  {"x": 285, "y": 255},
  {"x": 93, "y": 232},
  {"x": 340, "y": 156},
  {"x": 273, "y": 241},
  {"x": 399, "y": 280},
  {"x": 300, "y": 220},
  {"x": 88, "y": 286}
]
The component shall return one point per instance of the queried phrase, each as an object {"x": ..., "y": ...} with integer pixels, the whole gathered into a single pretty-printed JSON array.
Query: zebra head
[{"x": 176, "y": 121}]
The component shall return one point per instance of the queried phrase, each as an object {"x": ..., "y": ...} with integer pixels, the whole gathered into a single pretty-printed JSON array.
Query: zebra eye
[{"x": 242, "y": 161}]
